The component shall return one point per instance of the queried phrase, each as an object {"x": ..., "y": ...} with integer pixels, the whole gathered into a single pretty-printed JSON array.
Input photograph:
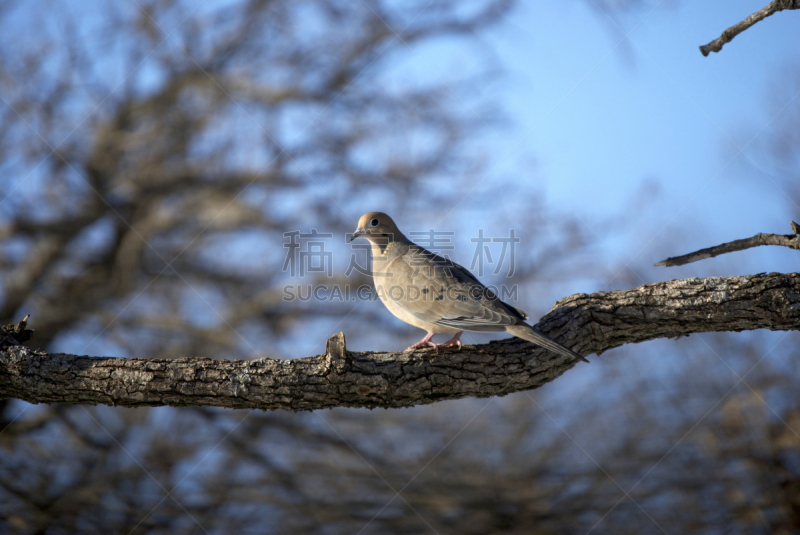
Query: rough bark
[
  {"x": 339, "y": 378},
  {"x": 728, "y": 35}
]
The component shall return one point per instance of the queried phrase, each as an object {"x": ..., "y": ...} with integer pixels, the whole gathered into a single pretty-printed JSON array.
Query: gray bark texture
[{"x": 339, "y": 378}]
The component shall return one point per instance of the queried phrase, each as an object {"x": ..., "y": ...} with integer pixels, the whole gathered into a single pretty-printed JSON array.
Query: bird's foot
[
  {"x": 425, "y": 342},
  {"x": 420, "y": 345},
  {"x": 455, "y": 341}
]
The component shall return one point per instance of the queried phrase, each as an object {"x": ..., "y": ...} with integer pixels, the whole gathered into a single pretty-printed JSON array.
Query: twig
[
  {"x": 728, "y": 35},
  {"x": 788, "y": 240}
]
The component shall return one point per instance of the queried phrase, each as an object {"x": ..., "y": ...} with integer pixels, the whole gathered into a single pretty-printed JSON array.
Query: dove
[{"x": 436, "y": 294}]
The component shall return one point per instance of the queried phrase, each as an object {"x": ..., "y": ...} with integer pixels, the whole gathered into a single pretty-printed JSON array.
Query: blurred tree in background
[
  {"x": 158, "y": 145},
  {"x": 155, "y": 153}
]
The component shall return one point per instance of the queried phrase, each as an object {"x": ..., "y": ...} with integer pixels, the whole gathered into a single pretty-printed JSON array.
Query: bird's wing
[{"x": 437, "y": 290}]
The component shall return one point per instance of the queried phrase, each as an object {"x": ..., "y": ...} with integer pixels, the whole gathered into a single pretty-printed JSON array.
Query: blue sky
[
  {"x": 601, "y": 119},
  {"x": 602, "y": 111},
  {"x": 596, "y": 113}
]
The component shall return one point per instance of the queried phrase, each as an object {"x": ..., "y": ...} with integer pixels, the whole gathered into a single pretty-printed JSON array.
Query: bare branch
[
  {"x": 784, "y": 240},
  {"x": 728, "y": 35},
  {"x": 587, "y": 323}
]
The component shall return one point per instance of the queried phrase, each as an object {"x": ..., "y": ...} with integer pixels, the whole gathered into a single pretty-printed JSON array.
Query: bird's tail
[{"x": 526, "y": 332}]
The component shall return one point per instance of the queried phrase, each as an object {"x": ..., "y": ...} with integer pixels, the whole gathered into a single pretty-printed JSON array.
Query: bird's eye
[{"x": 374, "y": 222}]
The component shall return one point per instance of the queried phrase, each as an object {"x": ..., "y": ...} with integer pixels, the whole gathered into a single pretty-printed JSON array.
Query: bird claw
[
  {"x": 423, "y": 344},
  {"x": 452, "y": 343},
  {"x": 455, "y": 341},
  {"x": 426, "y": 342}
]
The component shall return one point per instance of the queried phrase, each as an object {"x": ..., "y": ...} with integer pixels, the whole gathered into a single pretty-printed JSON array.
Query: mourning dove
[{"x": 435, "y": 294}]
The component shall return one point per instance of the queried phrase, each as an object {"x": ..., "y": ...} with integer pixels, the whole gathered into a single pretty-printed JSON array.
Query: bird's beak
[{"x": 357, "y": 234}]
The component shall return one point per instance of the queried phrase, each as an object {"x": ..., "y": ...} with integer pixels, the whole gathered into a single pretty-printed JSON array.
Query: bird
[{"x": 436, "y": 294}]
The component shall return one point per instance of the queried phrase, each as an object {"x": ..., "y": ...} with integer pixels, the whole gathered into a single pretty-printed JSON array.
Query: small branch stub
[
  {"x": 336, "y": 353},
  {"x": 12, "y": 335},
  {"x": 336, "y": 347},
  {"x": 22, "y": 324}
]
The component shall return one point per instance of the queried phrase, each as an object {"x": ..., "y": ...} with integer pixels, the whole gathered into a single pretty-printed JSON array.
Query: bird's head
[{"x": 378, "y": 228}]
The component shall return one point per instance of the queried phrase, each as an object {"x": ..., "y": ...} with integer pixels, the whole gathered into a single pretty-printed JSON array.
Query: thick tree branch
[
  {"x": 728, "y": 35},
  {"x": 784, "y": 240},
  {"x": 339, "y": 378}
]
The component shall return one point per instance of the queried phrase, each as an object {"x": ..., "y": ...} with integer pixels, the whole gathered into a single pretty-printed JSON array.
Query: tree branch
[
  {"x": 588, "y": 323},
  {"x": 728, "y": 35},
  {"x": 784, "y": 240}
]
